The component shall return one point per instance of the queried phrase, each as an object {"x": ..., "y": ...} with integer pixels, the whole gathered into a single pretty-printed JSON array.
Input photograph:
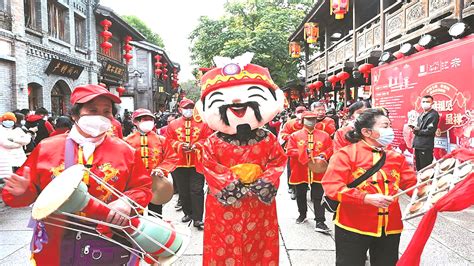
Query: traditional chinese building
[
  {"x": 45, "y": 51},
  {"x": 394, "y": 52},
  {"x": 147, "y": 85}
]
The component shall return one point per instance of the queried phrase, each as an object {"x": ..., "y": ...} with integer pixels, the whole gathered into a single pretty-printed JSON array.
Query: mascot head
[{"x": 237, "y": 96}]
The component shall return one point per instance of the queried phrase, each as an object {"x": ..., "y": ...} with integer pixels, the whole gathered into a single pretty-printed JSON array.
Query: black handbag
[{"x": 331, "y": 205}]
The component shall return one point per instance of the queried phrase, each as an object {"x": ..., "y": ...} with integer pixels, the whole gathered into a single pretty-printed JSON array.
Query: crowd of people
[{"x": 340, "y": 150}]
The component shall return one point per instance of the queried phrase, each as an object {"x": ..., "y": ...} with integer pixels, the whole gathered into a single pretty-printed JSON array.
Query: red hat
[
  {"x": 185, "y": 102},
  {"x": 8, "y": 116},
  {"x": 300, "y": 109},
  {"x": 83, "y": 94},
  {"x": 308, "y": 114},
  {"x": 141, "y": 112},
  {"x": 232, "y": 74}
]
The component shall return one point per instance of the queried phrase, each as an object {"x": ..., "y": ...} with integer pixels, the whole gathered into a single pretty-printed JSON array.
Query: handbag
[{"x": 331, "y": 205}]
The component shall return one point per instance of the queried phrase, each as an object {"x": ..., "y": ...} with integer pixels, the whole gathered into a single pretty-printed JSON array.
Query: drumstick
[{"x": 412, "y": 188}]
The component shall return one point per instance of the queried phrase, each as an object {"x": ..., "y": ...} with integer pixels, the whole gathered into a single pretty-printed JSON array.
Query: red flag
[{"x": 459, "y": 198}]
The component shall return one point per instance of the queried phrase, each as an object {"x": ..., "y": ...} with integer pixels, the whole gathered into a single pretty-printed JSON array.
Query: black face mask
[{"x": 254, "y": 105}]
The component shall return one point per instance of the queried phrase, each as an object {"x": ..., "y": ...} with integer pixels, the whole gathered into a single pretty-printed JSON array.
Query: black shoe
[
  {"x": 301, "y": 219},
  {"x": 186, "y": 219},
  {"x": 199, "y": 225},
  {"x": 322, "y": 228},
  {"x": 178, "y": 206},
  {"x": 293, "y": 195}
]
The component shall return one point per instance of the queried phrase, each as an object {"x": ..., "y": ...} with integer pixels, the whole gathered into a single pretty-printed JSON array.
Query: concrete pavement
[{"x": 451, "y": 242}]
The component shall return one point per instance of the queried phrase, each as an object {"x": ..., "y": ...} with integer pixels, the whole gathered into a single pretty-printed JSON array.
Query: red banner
[{"x": 445, "y": 72}]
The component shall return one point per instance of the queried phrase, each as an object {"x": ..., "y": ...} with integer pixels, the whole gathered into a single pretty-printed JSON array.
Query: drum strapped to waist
[
  {"x": 151, "y": 238},
  {"x": 317, "y": 166}
]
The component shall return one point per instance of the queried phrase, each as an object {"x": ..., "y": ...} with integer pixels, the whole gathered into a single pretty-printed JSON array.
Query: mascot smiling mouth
[{"x": 239, "y": 110}]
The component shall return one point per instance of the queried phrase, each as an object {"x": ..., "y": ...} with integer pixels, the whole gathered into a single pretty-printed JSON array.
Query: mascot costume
[{"x": 242, "y": 163}]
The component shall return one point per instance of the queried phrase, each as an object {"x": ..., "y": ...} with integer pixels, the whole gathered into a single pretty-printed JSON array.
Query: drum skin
[
  {"x": 318, "y": 167},
  {"x": 77, "y": 201},
  {"x": 162, "y": 190}
]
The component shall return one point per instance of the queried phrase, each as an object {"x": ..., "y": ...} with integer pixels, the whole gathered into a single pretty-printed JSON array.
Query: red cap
[
  {"x": 142, "y": 112},
  {"x": 185, "y": 102},
  {"x": 83, "y": 94},
  {"x": 300, "y": 109},
  {"x": 308, "y": 114}
]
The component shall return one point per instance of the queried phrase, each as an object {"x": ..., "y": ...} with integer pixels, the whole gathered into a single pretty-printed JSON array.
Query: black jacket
[{"x": 428, "y": 124}]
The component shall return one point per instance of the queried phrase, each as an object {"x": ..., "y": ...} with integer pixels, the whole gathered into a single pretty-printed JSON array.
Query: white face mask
[
  {"x": 23, "y": 122},
  {"x": 298, "y": 116},
  {"x": 426, "y": 106},
  {"x": 187, "y": 113},
  {"x": 146, "y": 126},
  {"x": 386, "y": 136},
  {"x": 94, "y": 125},
  {"x": 8, "y": 123}
]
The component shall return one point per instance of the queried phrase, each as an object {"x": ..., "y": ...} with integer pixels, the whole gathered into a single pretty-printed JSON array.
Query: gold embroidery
[
  {"x": 357, "y": 173},
  {"x": 55, "y": 171},
  {"x": 109, "y": 173}
]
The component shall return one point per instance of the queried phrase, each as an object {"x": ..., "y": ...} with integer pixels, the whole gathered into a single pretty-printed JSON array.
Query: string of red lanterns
[
  {"x": 106, "y": 35},
  {"x": 165, "y": 71},
  {"x": 158, "y": 64},
  {"x": 127, "y": 47},
  {"x": 175, "y": 83}
]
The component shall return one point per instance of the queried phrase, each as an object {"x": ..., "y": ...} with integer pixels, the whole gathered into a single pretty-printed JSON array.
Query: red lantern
[
  {"x": 165, "y": 77},
  {"x": 294, "y": 49},
  {"x": 158, "y": 71},
  {"x": 128, "y": 57},
  {"x": 120, "y": 90},
  {"x": 333, "y": 79},
  {"x": 339, "y": 8},
  {"x": 365, "y": 70},
  {"x": 106, "y": 35},
  {"x": 318, "y": 85},
  {"x": 127, "y": 47},
  {"x": 311, "y": 32},
  {"x": 342, "y": 76}
]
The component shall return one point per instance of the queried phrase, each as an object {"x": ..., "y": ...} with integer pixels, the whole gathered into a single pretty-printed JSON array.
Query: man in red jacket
[
  {"x": 107, "y": 157},
  {"x": 324, "y": 123},
  {"x": 187, "y": 135}
]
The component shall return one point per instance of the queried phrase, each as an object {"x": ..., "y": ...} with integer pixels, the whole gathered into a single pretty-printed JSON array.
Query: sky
[{"x": 173, "y": 21}]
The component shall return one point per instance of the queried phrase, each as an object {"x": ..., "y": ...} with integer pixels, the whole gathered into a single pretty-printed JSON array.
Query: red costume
[
  {"x": 327, "y": 125},
  {"x": 181, "y": 131},
  {"x": 319, "y": 142},
  {"x": 245, "y": 232},
  {"x": 290, "y": 127},
  {"x": 113, "y": 160},
  {"x": 116, "y": 129},
  {"x": 154, "y": 150},
  {"x": 340, "y": 140},
  {"x": 352, "y": 214}
]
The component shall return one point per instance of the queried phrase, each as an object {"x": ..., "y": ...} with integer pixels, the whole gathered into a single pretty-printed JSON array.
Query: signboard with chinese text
[
  {"x": 61, "y": 68},
  {"x": 113, "y": 70},
  {"x": 445, "y": 72}
]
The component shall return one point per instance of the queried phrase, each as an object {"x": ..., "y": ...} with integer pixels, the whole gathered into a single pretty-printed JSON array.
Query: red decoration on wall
[
  {"x": 365, "y": 70},
  {"x": 158, "y": 70},
  {"x": 106, "y": 35},
  {"x": 127, "y": 47}
]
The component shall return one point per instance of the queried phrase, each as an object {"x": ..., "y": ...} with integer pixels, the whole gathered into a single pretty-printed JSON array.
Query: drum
[
  {"x": 162, "y": 189},
  {"x": 153, "y": 239},
  {"x": 317, "y": 166}
]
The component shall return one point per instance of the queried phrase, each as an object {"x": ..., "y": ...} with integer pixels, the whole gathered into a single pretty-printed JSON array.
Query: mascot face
[{"x": 227, "y": 108}]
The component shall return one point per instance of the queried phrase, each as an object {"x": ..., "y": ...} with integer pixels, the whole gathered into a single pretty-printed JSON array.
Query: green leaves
[
  {"x": 139, "y": 25},
  {"x": 258, "y": 26}
]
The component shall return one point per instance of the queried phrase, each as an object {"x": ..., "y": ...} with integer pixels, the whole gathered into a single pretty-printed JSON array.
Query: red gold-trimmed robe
[
  {"x": 352, "y": 214},
  {"x": 290, "y": 127},
  {"x": 327, "y": 125},
  {"x": 113, "y": 160},
  {"x": 246, "y": 232}
]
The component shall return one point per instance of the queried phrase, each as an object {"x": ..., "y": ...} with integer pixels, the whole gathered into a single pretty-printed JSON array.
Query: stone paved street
[{"x": 450, "y": 242}]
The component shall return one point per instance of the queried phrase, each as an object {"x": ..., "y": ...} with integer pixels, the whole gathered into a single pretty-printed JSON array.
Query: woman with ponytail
[
  {"x": 368, "y": 217},
  {"x": 354, "y": 110}
]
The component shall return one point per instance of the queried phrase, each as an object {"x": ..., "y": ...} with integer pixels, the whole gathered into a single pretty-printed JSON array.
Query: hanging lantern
[
  {"x": 127, "y": 47},
  {"x": 295, "y": 49},
  {"x": 365, "y": 70},
  {"x": 342, "y": 76},
  {"x": 318, "y": 85},
  {"x": 106, "y": 35},
  {"x": 120, "y": 90},
  {"x": 158, "y": 64},
  {"x": 311, "y": 32},
  {"x": 339, "y": 8},
  {"x": 333, "y": 80}
]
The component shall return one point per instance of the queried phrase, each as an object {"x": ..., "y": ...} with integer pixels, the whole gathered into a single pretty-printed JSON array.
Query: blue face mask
[
  {"x": 8, "y": 123},
  {"x": 386, "y": 136}
]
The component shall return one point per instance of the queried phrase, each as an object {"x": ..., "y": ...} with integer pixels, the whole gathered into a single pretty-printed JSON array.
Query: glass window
[
  {"x": 57, "y": 21},
  {"x": 31, "y": 17},
  {"x": 80, "y": 28}
]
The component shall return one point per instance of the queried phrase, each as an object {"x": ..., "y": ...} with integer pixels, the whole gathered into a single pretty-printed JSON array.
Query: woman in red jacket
[
  {"x": 354, "y": 110},
  {"x": 109, "y": 158},
  {"x": 368, "y": 217}
]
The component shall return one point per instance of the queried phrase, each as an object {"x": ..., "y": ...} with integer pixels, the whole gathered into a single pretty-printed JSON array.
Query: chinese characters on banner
[
  {"x": 445, "y": 72},
  {"x": 61, "y": 68}
]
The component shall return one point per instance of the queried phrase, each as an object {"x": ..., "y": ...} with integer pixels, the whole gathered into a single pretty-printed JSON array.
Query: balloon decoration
[
  {"x": 158, "y": 70},
  {"x": 106, "y": 35},
  {"x": 333, "y": 80},
  {"x": 120, "y": 90},
  {"x": 339, "y": 8},
  {"x": 127, "y": 47},
  {"x": 365, "y": 70},
  {"x": 311, "y": 32},
  {"x": 295, "y": 49},
  {"x": 343, "y": 76}
]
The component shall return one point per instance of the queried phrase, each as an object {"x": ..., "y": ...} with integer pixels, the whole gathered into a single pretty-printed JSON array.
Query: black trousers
[
  {"x": 423, "y": 158},
  {"x": 156, "y": 208},
  {"x": 288, "y": 173},
  {"x": 316, "y": 196},
  {"x": 351, "y": 248},
  {"x": 191, "y": 191}
]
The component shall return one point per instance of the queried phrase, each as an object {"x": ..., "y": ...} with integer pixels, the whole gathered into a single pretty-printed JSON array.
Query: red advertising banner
[{"x": 445, "y": 72}]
